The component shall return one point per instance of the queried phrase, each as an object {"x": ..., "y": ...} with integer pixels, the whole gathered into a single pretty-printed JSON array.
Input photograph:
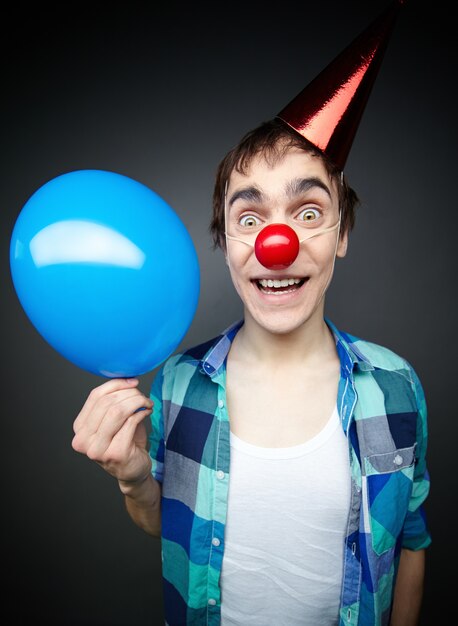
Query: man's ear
[{"x": 343, "y": 245}]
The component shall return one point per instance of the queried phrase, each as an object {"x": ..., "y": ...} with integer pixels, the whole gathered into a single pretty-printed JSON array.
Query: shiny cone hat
[{"x": 328, "y": 110}]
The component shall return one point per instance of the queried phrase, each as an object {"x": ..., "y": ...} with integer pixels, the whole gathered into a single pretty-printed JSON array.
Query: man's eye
[
  {"x": 249, "y": 220},
  {"x": 308, "y": 215}
]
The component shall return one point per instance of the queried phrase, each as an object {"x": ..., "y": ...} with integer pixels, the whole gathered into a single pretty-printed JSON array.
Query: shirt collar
[
  {"x": 215, "y": 357},
  {"x": 349, "y": 354}
]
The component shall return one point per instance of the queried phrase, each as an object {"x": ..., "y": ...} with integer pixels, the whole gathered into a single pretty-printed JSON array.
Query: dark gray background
[{"x": 160, "y": 93}]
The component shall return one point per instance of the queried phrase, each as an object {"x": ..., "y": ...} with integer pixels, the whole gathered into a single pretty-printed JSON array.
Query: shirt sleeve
[
  {"x": 156, "y": 434},
  {"x": 416, "y": 535}
]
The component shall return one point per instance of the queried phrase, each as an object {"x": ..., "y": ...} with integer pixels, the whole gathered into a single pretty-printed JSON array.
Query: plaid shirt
[{"x": 383, "y": 414}]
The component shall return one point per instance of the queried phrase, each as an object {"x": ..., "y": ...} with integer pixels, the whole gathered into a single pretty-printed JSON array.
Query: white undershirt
[{"x": 285, "y": 529}]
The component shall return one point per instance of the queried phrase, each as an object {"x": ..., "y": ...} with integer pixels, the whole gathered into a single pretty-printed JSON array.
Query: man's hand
[{"x": 110, "y": 429}]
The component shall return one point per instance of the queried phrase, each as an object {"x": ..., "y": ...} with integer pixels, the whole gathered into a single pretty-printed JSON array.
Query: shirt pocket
[{"x": 389, "y": 479}]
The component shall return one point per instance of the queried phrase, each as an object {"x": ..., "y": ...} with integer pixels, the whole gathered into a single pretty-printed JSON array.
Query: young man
[{"x": 285, "y": 470}]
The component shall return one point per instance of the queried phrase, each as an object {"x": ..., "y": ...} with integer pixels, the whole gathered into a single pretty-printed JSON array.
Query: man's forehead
[{"x": 261, "y": 170}]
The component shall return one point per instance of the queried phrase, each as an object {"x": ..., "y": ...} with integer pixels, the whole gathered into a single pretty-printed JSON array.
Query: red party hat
[{"x": 328, "y": 110}]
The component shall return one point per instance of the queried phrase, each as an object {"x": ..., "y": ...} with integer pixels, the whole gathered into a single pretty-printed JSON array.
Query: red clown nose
[{"x": 277, "y": 246}]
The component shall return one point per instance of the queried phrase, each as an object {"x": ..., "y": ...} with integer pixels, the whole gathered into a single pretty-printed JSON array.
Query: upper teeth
[{"x": 279, "y": 283}]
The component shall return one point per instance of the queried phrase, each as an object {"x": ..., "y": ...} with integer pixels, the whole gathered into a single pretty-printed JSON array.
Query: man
[{"x": 285, "y": 469}]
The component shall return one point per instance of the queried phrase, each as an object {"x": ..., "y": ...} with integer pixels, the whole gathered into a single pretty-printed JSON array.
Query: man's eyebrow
[
  {"x": 251, "y": 194},
  {"x": 300, "y": 185}
]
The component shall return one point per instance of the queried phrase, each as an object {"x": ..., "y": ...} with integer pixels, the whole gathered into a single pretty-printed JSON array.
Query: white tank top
[{"x": 285, "y": 529}]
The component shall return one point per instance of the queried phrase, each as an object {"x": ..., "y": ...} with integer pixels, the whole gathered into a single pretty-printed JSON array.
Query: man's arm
[
  {"x": 143, "y": 503},
  {"x": 408, "y": 592}
]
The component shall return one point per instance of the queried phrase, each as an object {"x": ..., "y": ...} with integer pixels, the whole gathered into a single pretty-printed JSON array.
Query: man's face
[{"x": 296, "y": 191}]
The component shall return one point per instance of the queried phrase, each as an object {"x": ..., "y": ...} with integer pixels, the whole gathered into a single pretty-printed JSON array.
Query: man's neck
[{"x": 306, "y": 345}]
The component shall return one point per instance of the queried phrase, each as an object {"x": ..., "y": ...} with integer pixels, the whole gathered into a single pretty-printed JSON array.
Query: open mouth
[{"x": 270, "y": 286}]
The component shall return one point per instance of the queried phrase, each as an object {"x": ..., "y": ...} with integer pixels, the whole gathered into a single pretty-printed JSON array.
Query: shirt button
[
  {"x": 398, "y": 459},
  {"x": 216, "y": 541},
  {"x": 211, "y": 601},
  {"x": 220, "y": 474},
  {"x": 220, "y": 404}
]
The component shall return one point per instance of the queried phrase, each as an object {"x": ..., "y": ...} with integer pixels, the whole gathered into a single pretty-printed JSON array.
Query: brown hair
[{"x": 273, "y": 138}]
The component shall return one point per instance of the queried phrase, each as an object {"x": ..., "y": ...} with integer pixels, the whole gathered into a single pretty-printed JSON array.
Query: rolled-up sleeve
[{"x": 416, "y": 535}]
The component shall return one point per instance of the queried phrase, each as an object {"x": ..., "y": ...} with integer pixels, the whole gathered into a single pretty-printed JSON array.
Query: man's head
[
  {"x": 272, "y": 177},
  {"x": 271, "y": 140}
]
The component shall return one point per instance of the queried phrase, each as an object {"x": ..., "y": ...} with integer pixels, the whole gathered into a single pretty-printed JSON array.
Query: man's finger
[
  {"x": 122, "y": 441},
  {"x": 99, "y": 392}
]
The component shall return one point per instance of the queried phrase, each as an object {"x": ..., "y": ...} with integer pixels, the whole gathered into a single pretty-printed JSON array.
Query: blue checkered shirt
[{"x": 382, "y": 410}]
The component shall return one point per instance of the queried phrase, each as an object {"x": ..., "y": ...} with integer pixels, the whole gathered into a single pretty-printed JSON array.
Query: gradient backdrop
[{"x": 159, "y": 93}]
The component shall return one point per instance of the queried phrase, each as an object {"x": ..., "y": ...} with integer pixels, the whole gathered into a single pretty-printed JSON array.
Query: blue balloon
[{"x": 106, "y": 272}]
